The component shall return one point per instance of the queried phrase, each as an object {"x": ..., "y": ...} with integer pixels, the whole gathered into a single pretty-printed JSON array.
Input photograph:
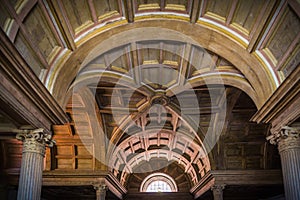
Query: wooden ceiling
[
  {"x": 268, "y": 29},
  {"x": 148, "y": 101}
]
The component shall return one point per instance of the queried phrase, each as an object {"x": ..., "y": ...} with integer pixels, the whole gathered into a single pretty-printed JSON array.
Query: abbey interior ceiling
[{"x": 128, "y": 88}]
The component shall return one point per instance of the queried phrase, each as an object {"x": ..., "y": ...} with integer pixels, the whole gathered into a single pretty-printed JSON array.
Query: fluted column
[
  {"x": 218, "y": 191},
  {"x": 288, "y": 142},
  {"x": 34, "y": 144},
  {"x": 100, "y": 191}
]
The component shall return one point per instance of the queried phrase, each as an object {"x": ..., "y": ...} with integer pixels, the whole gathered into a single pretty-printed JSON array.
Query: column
[
  {"x": 31, "y": 174},
  {"x": 218, "y": 191},
  {"x": 288, "y": 142},
  {"x": 100, "y": 191}
]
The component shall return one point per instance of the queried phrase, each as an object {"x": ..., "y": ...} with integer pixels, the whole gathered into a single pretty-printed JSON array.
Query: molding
[
  {"x": 22, "y": 91},
  {"x": 236, "y": 177},
  {"x": 34, "y": 141},
  {"x": 101, "y": 189},
  {"x": 218, "y": 188},
  {"x": 287, "y": 139},
  {"x": 282, "y": 108},
  {"x": 203, "y": 185},
  {"x": 218, "y": 191},
  {"x": 84, "y": 177},
  {"x": 247, "y": 177},
  {"x": 285, "y": 133}
]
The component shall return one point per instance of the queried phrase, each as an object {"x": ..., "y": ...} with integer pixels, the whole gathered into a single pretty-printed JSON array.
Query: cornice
[
  {"x": 205, "y": 184},
  {"x": 84, "y": 177},
  {"x": 286, "y": 95},
  {"x": 236, "y": 177},
  {"x": 22, "y": 90}
]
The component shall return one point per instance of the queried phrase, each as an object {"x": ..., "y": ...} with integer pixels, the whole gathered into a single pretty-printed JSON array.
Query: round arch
[
  {"x": 60, "y": 77},
  {"x": 166, "y": 182}
]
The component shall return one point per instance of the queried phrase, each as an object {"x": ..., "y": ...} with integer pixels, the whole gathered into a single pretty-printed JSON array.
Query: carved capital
[
  {"x": 218, "y": 191},
  {"x": 100, "y": 191},
  {"x": 101, "y": 187},
  {"x": 287, "y": 138},
  {"x": 218, "y": 188},
  {"x": 34, "y": 140},
  {"x": 284, "y": 133}
]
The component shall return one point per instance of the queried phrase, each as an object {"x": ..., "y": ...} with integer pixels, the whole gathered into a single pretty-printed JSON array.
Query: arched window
[
  {"x": 158, "y": 182},
  {"x": 158, "y": 186}
]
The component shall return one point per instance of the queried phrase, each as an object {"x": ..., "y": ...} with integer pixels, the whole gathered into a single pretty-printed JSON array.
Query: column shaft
[
  {"x": 100, "y": 191},
  {"x": 218, "y": 191},
  {"x": 31, "y": 173},
  {"x": 289, "y": 150},
  {"x": 30, "y": 183},
  {"x": 100, "y": 195}
]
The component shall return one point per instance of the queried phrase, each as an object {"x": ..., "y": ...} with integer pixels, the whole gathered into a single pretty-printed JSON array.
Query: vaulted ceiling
[{"x": 153, "y": 84}]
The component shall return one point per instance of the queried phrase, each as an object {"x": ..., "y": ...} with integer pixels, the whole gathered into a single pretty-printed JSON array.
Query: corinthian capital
[
  {"x": 34, "y": 135},
  {"x": 101, "y": 187},
  {"x": 284, "y": 133},
  {"x": 218, "y": 188}
]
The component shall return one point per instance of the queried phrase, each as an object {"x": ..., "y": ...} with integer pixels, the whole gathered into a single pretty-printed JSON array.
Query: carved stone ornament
[
  {"x": 34, "y": 140},
  {"x": 101, "y": 188},
  {"x": 287, "y": 134},
  {"x": 218, "y": 188}
]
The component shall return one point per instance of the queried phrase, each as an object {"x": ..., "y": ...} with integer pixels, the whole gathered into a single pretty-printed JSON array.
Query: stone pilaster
[
  {"x": 218, "y": 191},
  {"x": 288, "y": 141},
  {"x": 34, "y": 144},
  {"x": 101, "y": 190}
]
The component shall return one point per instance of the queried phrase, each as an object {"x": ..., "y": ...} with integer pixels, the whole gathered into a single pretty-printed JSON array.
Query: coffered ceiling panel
[
  {"x": 38, "y": 28},
  {"x": 247, "y": 13},
  {"x": 282, "y": 46},
  {"x": 27, "y": 52},
  {"x": 287, "y": 31},
  {"x": 64, "y": 24},
  {"x": 4, "y": 18},
  {"x": 147, "y": 4},
  {"x": 218, "y": 9},
  {"x": 147, "y": 101},
  {"x": 78, "y": 14},
  {"x": 106, "y": 9},
  {"x": 179, "y": 6},
  {"x": 292, "y": 62},
  {"x": 179, "y": 3}
]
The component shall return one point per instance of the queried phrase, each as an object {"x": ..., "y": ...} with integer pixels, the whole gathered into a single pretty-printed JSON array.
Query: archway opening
[{"x": 158, "y": 182}]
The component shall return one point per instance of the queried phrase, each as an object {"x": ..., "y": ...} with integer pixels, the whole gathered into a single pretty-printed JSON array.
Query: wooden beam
[
  {"x": 282, "y": 108},
  {"x": 288, "y": 53},
  {"x": 61, "y": 24},
  {"x": 247, "y": 177},
  {"x": 184, "y": 63},
  {"x": 23, "y": 92},
  {"x": 93, "y": 11},
  {"x": 236, "y": 177},
  {"x": 129, "y": 10},
  {"x": 262, "y": 25},
  {"x": 49, "y": 16},
  {"x": 231, "y": 12},
  {"x": 174, "y": 122},
  {"x": 195, "y": 11},
  {"x": 204, "y": 184},
  {"x": 28, "y": 37},
  {"x": 69, "y": 178}
]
